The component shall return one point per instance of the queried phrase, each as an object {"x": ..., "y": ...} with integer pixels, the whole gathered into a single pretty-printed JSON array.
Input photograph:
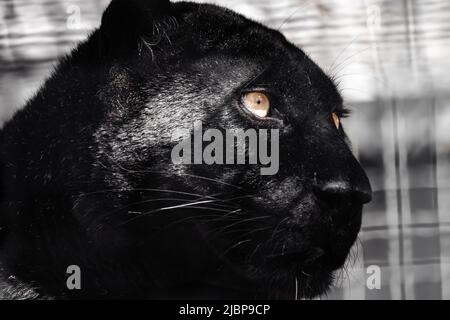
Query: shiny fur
[{"x": 87, "y": 178}]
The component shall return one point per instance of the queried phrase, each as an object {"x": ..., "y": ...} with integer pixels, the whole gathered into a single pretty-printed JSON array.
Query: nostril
[
  {"x": 341, "y": 189},
  {"x": 364, "y": 196}
]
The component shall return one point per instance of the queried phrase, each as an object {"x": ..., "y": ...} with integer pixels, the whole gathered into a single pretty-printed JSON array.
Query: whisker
[
  {"x": 250, "y": 257},
  {"x": 143, "y": 190},
  {"x": 214, "y": 202},
  {"x": 240, "y": 197},
  {"x": 213, "y": 180},
  {"x": 275, "y": 231},
  {"x": 248, "y": 230},
  {"x": 343, "y": 50},
  {"x": 145, "y": 214},
  {"x": 234, "y": 246},
  {"x": 178, "y": 206},
  {"x": 303, "y": 7},
  {"x": 342, "y": 65},
  {"x": 242, "y": 221},
  {"x": 195, "y": 217},
  {"x": 217, "y": 217}
]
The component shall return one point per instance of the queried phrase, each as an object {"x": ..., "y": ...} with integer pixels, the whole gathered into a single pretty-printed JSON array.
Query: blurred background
[{"x": 392, "y": 62}]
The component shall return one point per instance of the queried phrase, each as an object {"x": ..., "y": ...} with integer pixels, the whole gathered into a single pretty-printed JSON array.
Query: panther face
[
  {"x": 276, "y": 232},
  {"x": 140, "y": 225}
]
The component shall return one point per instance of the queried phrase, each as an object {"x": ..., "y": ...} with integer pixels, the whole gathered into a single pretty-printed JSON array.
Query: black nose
[{"x": 340, "y": 189}]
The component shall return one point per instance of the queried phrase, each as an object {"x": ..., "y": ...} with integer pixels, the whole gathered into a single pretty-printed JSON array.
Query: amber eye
[
  {"x": 336, "y": 120},
  {"x": 257, "y": 103}
]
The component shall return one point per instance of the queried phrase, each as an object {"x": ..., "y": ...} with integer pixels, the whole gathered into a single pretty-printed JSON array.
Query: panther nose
[{"x": 360, "y": 193}]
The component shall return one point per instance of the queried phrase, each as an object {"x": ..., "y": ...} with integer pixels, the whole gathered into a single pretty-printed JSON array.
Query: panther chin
[
  {"x": 294, "y": 259},
  {"x": 303, "y": 274}
]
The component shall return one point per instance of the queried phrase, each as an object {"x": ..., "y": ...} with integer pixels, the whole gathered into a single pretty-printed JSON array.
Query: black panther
[{"x": 87, "y": 177}]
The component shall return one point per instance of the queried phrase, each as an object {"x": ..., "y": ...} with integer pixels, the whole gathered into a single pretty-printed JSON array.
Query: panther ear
[{"x": 125, "y": 21}]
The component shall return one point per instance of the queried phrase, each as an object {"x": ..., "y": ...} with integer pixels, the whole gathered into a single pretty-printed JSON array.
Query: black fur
[{"x": 86, "y": 166}]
